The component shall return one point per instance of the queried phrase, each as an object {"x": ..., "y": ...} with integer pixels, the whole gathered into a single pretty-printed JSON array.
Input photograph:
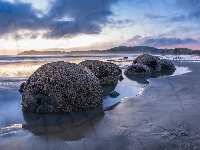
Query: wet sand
[{"x": 166, "y": 115}]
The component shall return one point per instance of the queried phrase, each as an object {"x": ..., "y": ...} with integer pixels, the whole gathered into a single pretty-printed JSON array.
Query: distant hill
[{"x": 117, "y": 50}]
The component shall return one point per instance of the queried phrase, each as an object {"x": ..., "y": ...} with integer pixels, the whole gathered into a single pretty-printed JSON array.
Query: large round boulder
[
  {"x": 137, "y": 69},
  {"x": 61, "y": 87},
  {"x": 151, "y": 61},
  {"x": 108, "y": 73}
]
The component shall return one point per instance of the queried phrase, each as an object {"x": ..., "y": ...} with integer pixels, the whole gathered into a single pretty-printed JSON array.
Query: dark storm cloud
[
  {"x": 149, "y": 41},
  {"x": 65, "y": 18},
  {"x": 87, "y": 17},
  {"x": 14, "y": 16}
]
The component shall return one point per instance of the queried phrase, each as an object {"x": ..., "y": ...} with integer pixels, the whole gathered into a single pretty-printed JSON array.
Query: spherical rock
[
  {"x": 150, "y": 61},
  {"x": 146, "y": 64},
  {"x": 107, "y": 72},
  {"x": 137, "y": 69},
  {"x": 61, "y": 87}
]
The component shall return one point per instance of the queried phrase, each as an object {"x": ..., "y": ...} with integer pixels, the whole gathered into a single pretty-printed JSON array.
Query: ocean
[{"x": 16, "y": 69}]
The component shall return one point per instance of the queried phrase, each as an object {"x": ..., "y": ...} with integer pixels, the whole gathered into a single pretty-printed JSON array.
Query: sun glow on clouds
[
  {"x": 40, "y": 44},
  {"x": 67, "y": 25}
]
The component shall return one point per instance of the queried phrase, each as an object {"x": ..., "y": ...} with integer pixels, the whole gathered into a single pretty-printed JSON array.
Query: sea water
[{"x": 16, "y": 69}]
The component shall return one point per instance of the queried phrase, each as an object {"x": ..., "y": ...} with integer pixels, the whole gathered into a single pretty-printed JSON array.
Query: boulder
[
  {"x": 137, "y": 69},
  {"x": 61, "y": 87},
  {"x": 147, "y": 64},
  {"x": 166, "y": 64},
  {"x": 21, "y": 87},
  {"x": 108, "y": 73},
  {"x": 151, "y": 61}
]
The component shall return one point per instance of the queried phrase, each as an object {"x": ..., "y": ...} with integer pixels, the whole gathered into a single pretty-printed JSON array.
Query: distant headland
[{"x": 118, "y": 50}]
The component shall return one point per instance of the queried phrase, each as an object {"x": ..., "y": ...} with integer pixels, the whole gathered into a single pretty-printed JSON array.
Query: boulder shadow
[
  {"x": 68, "y": 127},
  {"x": 142, "y": 78}
]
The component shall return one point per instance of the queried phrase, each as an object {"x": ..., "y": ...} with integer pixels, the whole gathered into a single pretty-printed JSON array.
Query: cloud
[
  {"x": 17, "y": 16},
  {"x": 86, "y": 17},
  {"x": 151, "y": 16},
  {"x": 191, "y": 7},
  {"x": 165, "y": 19},
  {"x": 125, "y": 21},
  {"x": 65, "y": 18},
  {"x": 121, "y": 23},
  {"x": 168, "y": 41},
  {"x": 177, "y": 18},
  {"x": 159, "y": 42},
  {"x": 135, "y": 38}
]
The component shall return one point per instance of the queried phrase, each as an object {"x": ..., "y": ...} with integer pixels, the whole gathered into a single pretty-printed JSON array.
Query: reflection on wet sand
[
  {"x": 107, "y": 89},
  {"x": 68, "y": 127},
  {"x": 142, "y": 78}
]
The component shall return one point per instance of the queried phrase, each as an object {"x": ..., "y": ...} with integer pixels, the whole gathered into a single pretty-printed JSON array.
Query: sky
[{"x": 97, "y": 24}]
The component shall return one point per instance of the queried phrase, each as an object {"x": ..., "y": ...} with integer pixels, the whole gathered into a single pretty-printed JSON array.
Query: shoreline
[{"x": 166, "y": 115}]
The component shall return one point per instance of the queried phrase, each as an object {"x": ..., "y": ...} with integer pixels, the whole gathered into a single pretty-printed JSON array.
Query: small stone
[
  {"x": 120, "y": 78},
  {"x": 114, "y": 94},
  {"x": 184, "y": 134}
]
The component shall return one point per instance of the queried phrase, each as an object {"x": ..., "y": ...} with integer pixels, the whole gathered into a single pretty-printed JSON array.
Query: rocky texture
[
  {"x": 145, "y": 64},
  {"x": 21, "y": 87},
  {"x": 166, "y": 64},
  {"x": 114, "y": 94},
  {"x": 61, "y": 87},
  {"x": 108, "y": 73},
  {"x": 120, "y": 78},
  {"x": 150, "y": 61},
  {"x": 137, "y": 69}
]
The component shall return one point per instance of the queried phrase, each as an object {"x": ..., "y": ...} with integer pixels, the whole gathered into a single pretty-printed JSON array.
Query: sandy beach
[
  {"x": 100, "y": 75},
  {"x": 165, "y": 115}
]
